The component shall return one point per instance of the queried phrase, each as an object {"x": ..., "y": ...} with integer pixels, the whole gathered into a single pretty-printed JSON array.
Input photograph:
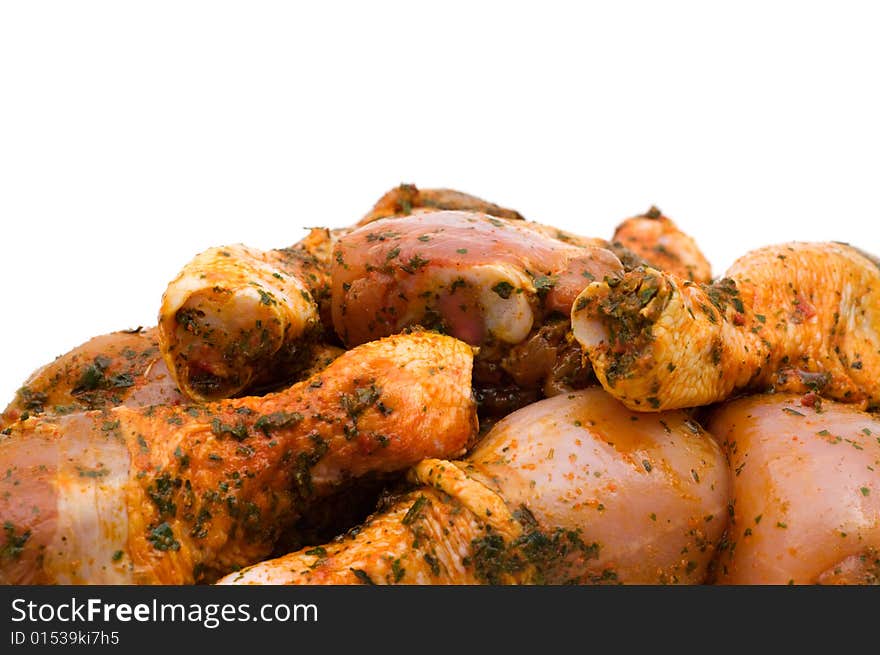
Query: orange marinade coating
[
  {"x": 797, "y": 316},
  {"x": 406, "y": 198},
  {"x": 575, "y": 488},
  {"x": 238, "y": 319},
  {"x": 476, "y": 275},
  {"x": 659, "y": 241},
  {"x": 120, "y": 368},
  {"x": 176, "y": 495}
]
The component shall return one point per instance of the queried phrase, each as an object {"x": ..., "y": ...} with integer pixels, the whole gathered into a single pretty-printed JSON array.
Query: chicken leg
[
  {"x": 183, "y": 494},
  {"x": 574, "y": 488},
  {"x": 799, "y": 316}
]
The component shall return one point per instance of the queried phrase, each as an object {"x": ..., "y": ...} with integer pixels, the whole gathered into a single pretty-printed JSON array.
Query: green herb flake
[
  {"x": 266, "y": 298},
  {"x": 99, "y": 472},
  {"x": 362, "y": 576},
  {"x": 543, "y": 284},
  {"x": 397, "y": 570},
  {"x": 162, "y": 538},
  {"x": 503, "y": 289},
  {"x": 14, "y": 545},
  {"x": 415, "y": 510},
  {"x": 415, "y": 263},
  {"x": 239, "y": 432},
  {"x": 433, "y": 563},
  {"x": 277, "y": 421}
]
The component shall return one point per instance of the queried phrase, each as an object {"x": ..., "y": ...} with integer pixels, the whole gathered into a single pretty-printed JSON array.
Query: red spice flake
[
  {"x": 803, "y": 310},
  {"x": 810, "y": 400}
]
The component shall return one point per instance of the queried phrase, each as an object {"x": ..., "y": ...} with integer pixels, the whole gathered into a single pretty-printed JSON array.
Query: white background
[{"x": 134, "y": 135}]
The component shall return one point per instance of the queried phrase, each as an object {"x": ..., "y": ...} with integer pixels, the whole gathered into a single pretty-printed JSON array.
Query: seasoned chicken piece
[
  {"x": 805, "y": 505},
  {"x": 488, "y": 281},
  {"x": 799, "y": 316},
  {"x": 238, "y": 319},
  {"x": 655, "y": 238},
  {"x": 480, "y": 277},
  {"x": 321, "y": 356},
  {"x": 120, "y": 368},
  {"x": 404, "y": 199},
  {"x": 575, "y": 488},
  {"x": 183, "y": 494}
]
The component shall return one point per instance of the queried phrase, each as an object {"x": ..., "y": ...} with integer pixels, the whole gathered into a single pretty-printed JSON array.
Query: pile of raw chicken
[{"x": 447, "y": 393}]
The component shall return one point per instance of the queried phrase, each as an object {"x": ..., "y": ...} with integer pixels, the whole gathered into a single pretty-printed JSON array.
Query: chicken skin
[
  {"x": 805, "y": 505},
  {"x": 176, "y": 495},
  {"x": 237, "y": 319},
  {"x": 121, "y": 368},
  {"x": 491, "y": 282},
  {"x": 798, "y": 317},
  {"x": 240, "y": 320},
  {"x": 284, "y": 391},
  {"x": 406, "y": 198},
  {"x": 575, "y": 488},
  {"x": 477, "y": 276},
  {"x": 657, "y": 239}
]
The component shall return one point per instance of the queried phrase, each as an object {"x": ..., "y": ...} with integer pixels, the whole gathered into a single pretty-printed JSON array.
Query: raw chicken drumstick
[
  {"x": 237, "y": 319},
  {"x": 184, "y": 494},
  {"x": 648, "y": 238},
  {"x": 503, "y": 285},
  {"x": 403, "y": 200},
  {"x": 120, "y": 368},
  {"x": 479, "y": 277},
  {"x": 799, "y": 316},
  {"x": 574, "y": 488},
  {"x": 805, "y": 505},
  {"x": 656, "y": 239}
]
